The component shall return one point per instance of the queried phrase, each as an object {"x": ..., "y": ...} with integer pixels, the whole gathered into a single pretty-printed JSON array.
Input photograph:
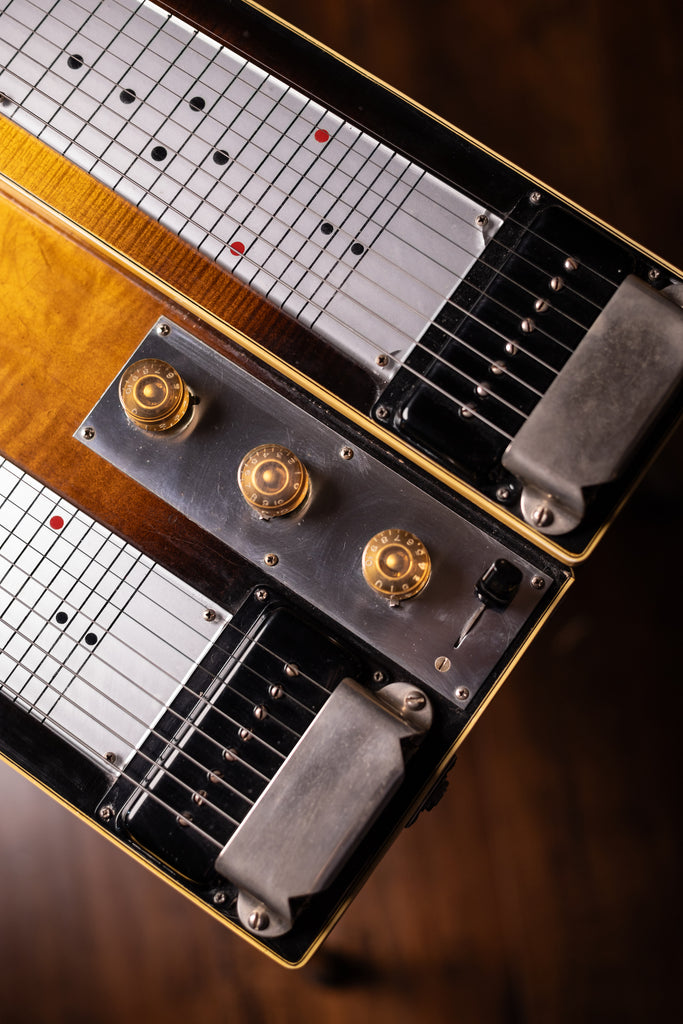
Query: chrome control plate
[{"x": 316, "y": 551}]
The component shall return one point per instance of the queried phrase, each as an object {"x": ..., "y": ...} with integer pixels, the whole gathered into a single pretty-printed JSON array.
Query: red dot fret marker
[
  {"x": 237, "y": 248},
  {"x": 56, "y": 522},
  {"x": 321, "y": 135}
]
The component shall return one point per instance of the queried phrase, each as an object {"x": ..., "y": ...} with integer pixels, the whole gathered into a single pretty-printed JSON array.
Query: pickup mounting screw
[
  {"x": 88, "y": 433},
  {"x": 219, "y": 898},
  {"x": 462, "y": 693},
  {"x": 414, "y": 701},
  {"x": 653, "y": 274},
  {"x": 382, "y": 412},
  {"x": 571, "y": 264},
  {"x": 275, "y": 691},
  {"x": 346, "y": 452},
  {"x": 503, "y": 493},
  {"x": 378, "y": 676},
  {"x": 482, "y": 220},
  {"x": 261, "y": 595},
  {"x": 110, "y": 756},
  {"x": 271, "y": 559},
  {"x": 164, "y": 330},
  {"x": 292, "y": 671},
  {"x": 209, "y": 614},
  {"x": 542, "y": 516},
  {"x": 537, "y": 582},
  {"x": 258, "y": 920},
  {"x": 442, "y": 664},
  {"x": 382, "y": 359},
  {"x": 535, "y": 198},
  {"x": 106, "y": 813}
]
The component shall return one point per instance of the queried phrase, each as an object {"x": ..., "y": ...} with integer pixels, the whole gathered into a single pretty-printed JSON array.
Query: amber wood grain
[{"x": 546, "y": 887}]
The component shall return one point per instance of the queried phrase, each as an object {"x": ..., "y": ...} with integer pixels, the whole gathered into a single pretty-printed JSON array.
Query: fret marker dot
[
  {"x": 127, "y": 96},
  {"x": 221, "y": 158},
  {"x": 56, "y": 522},
  {"x": 91, "y": 639},
  {"x": 357, "y": 249},
  {"x": 159, "y": 153},
  {"x": 322, "y": 135},
  {"x": 75, "y": 62},
  {"x": 237, "y": 248},
  {"x": 326, "y": 228},
  {"x": 61, "y": 618},
  {"x": 197, "y": 103}
]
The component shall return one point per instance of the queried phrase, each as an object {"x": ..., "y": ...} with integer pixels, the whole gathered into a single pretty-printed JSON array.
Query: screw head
[
  {"x": 653, "y": 274},
  {"x": 219, "y": 898},
  {"x": 571, "y": 264},
  {"x": 442, "y": 663},
  {"x": 110, "y": 756},
  {"x": 462, "y": 693},
  {"x": 271, "y": 559},
  {"x": 258, "y": 920},
  {"x": 275, "y": 691},
  {"x": 164, "y": 330},
  {"x": 209, "y": 614},
  {"x": 542, "y": 516},
  {"x": 378, "y": 676},
  {"x": 382, "y": 412},
  {"x": 261, "y": 595},
  {"x": 537, "y": 582},
  {"x": 382, "y": 359},
  {"x": 291, "y": 670},
  {"x": 346, "y": 452},
  {"x": 414, "y": 701},
  {"x": 482, "y": 220},
  {"x": 88, "y": 433},
  {"x": 106, "y": 813},
  {"x": 503, "y": 493}
]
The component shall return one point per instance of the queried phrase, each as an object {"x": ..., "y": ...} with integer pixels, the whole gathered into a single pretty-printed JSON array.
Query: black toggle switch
[{"x": 495, "y": 589}]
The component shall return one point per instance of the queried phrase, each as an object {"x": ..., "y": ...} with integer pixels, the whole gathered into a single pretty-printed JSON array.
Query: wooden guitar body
[{"x": 87, "y": 279}]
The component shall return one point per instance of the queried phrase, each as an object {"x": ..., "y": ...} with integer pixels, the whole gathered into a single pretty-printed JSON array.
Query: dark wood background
[{"x": 546, "y": 886}]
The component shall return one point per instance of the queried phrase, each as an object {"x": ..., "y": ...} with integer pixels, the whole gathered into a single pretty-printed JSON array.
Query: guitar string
[
  {"x": 309, "y": 301},
  {"x": 508, "y": 309},
  {"x": 232, "y": 658},
  {"x": 121, "y": 773},
  {"x": 192, "y": 133},
  {"x": 96, "y": 12}
]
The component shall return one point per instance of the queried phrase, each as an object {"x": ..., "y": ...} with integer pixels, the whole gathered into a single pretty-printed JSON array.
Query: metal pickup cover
[{"x": 322, "y": 801}]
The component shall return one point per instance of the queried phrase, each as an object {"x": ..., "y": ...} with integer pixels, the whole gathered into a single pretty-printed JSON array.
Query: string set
[{"x": 488, "y": 390}]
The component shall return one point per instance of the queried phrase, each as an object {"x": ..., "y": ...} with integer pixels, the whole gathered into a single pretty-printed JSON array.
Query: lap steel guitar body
[{"x": 311, "y": 405}]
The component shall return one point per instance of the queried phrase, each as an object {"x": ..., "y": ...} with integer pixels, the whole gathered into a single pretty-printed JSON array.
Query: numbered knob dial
[
  {"x": 396, "y": 564},
  {"x": 273, "y": 480},
  {"x": 153, "y": 394}
]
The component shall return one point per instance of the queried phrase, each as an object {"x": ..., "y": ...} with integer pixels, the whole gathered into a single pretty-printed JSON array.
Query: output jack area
[
  {"x": 153, "y": 394},
  {"x": 396, "y": 564},
  {"x": 273, "y": 480}
]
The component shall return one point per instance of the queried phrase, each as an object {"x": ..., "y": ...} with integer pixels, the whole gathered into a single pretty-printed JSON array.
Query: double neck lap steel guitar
[{"x": 301, "y": 439}]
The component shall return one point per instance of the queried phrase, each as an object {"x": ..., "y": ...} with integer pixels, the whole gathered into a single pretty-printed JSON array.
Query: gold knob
[
  {"x": 153, "y": 394},
  {"x": 396, "y": 564},
  {"x": 272, "y": 480}
]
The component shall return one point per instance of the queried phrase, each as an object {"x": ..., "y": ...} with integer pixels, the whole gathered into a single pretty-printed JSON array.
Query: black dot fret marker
[
  {"x": 357, "y": 248},
  {"x": 197, "y": 103},
  {"x": 159, "y": 153},
  {"x": 75, "y": 61},
  {"x": 91, "y": 639},
  {"x": 127, "y": 96},
  {"x": 61, "y": 618},
  {"x": 326, "y": 228},
  {"x": 221, "y": 158}
]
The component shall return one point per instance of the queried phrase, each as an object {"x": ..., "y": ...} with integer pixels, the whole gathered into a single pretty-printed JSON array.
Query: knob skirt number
[
  {"x": 273, "y": 481},
  {"x": 396, "y": 564},
  {"x": 153, "y": 394}
]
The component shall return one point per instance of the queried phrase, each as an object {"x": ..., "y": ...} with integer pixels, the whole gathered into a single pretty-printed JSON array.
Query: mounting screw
[
  {"x": 414, "y": 701},
  {"x": 537, "y": 582},
  {"x": 88, "y": 433},
  {"x": 219, "y": 898},
  {"x": 482, "y": 220},
  {"x": 382, "y": 412},
  {"x": 271, "y": 559},
  {"x": 258, "y": 920},
  {"x": 442, "y": 664},
  {"x": 110, "y": 756},
  {"x": 275, "y": 691},
  {"x": 164, "y": 330},
  {"x": 106, "y": 813},
  {"x": 503, "y": 493},
  {"x": 382, "y": 359},
  {"x": 346, "y": 452},
  {"x": 292, "y": 671},
  {"x": 261, "y": 595},
  {"x": 378, "y": 676},
  {"x": 653, "y": 274},
  {"x": 462, "y": 693},
  {"x": 535, "y": 198},
  {"x": 209, "y": 614},
  {"x": 542, "y": 516},
  {"x": 571, "y": 264}
]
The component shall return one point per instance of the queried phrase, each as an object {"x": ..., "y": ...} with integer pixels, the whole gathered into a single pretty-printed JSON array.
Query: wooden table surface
[{"x": 546, "y": 886}]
